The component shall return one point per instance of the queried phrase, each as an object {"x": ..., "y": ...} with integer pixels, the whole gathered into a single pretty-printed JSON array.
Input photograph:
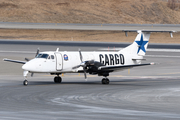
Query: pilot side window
[{"x": 52, "y": 56}]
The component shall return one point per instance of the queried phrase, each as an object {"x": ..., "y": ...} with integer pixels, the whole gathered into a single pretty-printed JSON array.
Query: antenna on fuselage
[{"x": 57, "y": 50}]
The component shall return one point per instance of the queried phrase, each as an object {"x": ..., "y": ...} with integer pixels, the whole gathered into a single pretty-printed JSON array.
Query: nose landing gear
[
  {"x": 25, "y": 82},
  {"x": 25, "y": 73}
]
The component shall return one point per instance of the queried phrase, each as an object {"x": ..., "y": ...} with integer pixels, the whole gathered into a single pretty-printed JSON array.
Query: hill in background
[{"x": 88, "y": 11}]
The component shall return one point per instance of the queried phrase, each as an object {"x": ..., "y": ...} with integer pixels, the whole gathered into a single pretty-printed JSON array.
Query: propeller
[
  {"x": 37, "y": 52},
  {"x": 83, "y": 64}
]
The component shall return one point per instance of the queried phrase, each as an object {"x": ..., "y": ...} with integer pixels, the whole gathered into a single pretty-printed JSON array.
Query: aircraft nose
[
  {"x": 32, "y": 66},
  {"x": 25, "y": 67},
  {"x": 29, "y": 66}
]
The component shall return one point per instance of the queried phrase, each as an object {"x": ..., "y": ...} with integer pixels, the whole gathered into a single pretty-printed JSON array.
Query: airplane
[{"x": 95, "y": 63}]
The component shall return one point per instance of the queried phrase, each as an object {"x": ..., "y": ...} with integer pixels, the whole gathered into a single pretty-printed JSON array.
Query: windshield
[{"x": 42, "y": 56}]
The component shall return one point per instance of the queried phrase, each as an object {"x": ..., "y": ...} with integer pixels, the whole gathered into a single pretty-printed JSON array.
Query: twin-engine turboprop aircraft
[{"x": 94, "y": 63}]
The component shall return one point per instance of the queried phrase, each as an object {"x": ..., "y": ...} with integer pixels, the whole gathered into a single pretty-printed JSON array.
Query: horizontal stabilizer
[
  {"x": 150, "y": 31},
  {"x": 138, "y": 58},
  {"x": 170, "y": 31}
]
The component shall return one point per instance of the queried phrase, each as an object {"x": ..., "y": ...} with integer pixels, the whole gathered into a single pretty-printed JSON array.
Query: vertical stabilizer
[{"x": 139, "y": 46}]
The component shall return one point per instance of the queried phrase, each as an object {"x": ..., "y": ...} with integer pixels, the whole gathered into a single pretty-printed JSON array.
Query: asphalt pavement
[{"x": 149, "y": 92}]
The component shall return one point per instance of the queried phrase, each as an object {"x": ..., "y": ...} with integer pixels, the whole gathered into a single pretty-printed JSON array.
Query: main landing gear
[
  {"x": 105, "y": 81},
  {"x": 57, "y": 79}
]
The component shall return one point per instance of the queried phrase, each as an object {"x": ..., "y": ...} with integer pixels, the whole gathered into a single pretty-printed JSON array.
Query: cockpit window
[{"x": 42, "y": 56}]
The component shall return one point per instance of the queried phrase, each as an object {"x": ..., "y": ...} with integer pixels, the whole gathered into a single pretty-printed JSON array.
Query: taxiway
[{"x": 149, "y": 92}]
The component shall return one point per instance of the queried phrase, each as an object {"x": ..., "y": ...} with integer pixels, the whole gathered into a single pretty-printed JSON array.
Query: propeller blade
[
  {"x": 81, "y": 58},
  {"x": 76, "y": 66},
  {"x": 37, "y": 52},
  {"x": 85, "y": 76},
  {"x": 83, "y": 64},
  {"x": 26, "y": 59},
  {"x": 91, "y": 62}
]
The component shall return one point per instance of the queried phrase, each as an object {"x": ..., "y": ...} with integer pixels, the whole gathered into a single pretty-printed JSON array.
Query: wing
[
  {"x": 15, "y": 61},
  {"x": 115, "y": 68}
]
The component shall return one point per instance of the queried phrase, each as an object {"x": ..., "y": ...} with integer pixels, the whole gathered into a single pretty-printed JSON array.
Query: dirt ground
[
  {"x": 72, "y": 35},
  {"x": 89, "y": 11}
]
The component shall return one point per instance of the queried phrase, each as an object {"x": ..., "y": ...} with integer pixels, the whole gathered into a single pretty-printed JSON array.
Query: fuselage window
[{"x": 52, "y": 56}]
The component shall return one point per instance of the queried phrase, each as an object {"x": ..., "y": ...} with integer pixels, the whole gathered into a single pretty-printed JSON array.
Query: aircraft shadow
[{"x": 112, "y": 83}]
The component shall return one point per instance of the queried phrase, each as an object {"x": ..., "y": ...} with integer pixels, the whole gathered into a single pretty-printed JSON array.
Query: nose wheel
[
  {"x": 57, "y": 79},
  {"x": 25, "y": 82},
  {"x": 105, "y": 81}
]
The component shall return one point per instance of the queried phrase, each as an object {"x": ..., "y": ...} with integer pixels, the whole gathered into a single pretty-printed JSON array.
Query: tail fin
[{"x": 139, "y": 46}]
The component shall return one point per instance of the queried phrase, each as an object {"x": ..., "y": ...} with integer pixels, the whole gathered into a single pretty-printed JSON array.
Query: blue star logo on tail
[{"x": 141, "y": 44}]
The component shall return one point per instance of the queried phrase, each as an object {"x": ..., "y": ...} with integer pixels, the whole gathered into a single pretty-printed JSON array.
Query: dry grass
[
  {"x": 95, "y": 36},
  {"x": 88, "y": 11}
]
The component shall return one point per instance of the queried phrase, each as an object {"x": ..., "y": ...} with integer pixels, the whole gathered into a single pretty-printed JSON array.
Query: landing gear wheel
[
  {"x": 57, "y": 79},
  {"x": 105, "y": 81},
  {"x": 25, "y": 82}
]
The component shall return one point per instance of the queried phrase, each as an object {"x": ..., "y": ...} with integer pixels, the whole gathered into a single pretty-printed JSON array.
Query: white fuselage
[{"x": 63, "y": 62}]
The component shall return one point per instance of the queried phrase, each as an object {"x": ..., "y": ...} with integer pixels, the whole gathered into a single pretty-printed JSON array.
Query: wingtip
[
  {"x": 152, "y": 63},
  {"x": 4, "y": 59}
]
